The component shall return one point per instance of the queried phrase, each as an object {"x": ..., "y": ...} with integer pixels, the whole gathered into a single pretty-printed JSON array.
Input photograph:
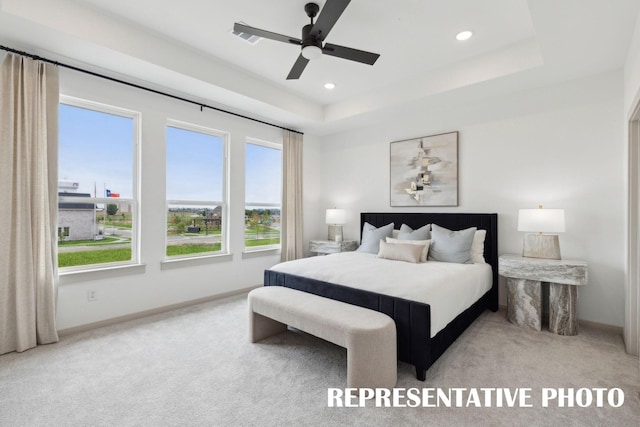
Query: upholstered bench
[{"x": 368, "y": 336}]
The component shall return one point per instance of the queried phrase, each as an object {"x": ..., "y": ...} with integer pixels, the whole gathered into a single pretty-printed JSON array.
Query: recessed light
[
  {"x": 329, "y": 86},
  {"x": 464, "y": 35}
]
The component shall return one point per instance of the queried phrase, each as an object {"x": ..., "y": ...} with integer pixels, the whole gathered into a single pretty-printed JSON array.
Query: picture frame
[{"x": 424, "y": 171}]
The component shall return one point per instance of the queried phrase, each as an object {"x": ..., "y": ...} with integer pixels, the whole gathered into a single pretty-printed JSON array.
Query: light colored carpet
[{"x": 195, "y": 367}]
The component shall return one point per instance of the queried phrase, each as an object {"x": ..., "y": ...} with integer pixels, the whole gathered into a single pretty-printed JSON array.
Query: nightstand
[
  {"x": 330, "y": 247},
  {"x": 529, "y": 280}
]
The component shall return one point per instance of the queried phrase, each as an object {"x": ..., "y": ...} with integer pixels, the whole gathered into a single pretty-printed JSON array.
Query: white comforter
[{"x": 447, "y": 287}]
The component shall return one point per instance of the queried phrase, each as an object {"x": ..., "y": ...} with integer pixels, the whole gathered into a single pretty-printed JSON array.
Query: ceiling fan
[{"x": 313, "y": 36}]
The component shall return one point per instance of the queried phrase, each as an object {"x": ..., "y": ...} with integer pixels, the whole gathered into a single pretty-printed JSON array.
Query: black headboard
[{"x": 452, "y": 221}]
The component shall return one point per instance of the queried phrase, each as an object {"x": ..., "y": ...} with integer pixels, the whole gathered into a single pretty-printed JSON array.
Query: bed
[{"x": 413, "y": 316}]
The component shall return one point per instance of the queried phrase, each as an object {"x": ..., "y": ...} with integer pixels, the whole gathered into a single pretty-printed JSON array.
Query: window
[
  {"x": 63, "y": 232},
  {"x": 97, "y": 184},
  {"x": 263, "y": 194},
  {"x": 196, "y": 190}
]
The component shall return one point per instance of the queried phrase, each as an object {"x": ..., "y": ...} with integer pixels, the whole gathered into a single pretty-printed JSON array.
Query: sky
[
  {"x": 96, "y": 150},
  {"x": 194, "y": 165},
  {"x": 264, "y": 181}
]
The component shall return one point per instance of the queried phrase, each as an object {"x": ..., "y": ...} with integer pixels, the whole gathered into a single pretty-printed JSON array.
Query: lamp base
[
  {"x": 541, "y": 246},
  {"x": 335, "y": 233}
]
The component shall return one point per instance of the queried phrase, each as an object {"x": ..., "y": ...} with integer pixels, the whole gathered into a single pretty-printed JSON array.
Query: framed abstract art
[{"x": 424, "y": 171}]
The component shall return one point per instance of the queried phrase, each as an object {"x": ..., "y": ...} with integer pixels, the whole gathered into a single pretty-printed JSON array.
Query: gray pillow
[
  {"x": 371, "y": 237},
  {"x": 407, "y": 233},
  {"x": 451, "y": 246}
]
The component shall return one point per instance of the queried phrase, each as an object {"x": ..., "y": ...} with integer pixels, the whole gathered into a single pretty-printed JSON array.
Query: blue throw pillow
[
  {"x": 371, "y": 237},
  {"x": 407, "y": 233},
  {"x": 451, "y": 246}
]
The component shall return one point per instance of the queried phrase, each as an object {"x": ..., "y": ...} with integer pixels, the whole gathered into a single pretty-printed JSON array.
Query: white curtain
[
  {"x": 28, "y": 210},
  {"x": 292, "y": 244}
]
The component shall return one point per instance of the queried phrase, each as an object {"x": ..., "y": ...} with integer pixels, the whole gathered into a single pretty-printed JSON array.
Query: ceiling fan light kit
[
  {"x": 313, "y": 36},
  {"x": 311, "y": 52}
]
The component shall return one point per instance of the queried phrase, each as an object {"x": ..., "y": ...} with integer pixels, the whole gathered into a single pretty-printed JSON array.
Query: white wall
[
  {"x": 559, "y": 146},
  {"x": 125, "y": 292},
  {"x": 632, "y": 72},
  {"x": 631, "y": 99}
]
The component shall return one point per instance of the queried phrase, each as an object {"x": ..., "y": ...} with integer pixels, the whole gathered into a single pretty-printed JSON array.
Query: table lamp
[
  {"x": 334, "y": 219},
  {"x": 536, "y": 222}
]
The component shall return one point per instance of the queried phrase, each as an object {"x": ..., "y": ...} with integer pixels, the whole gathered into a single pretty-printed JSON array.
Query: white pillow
[
  {"x": 424, "y": 243},
  {"x": 400, "y": 251},
  {"x": 477, "y": 247}
]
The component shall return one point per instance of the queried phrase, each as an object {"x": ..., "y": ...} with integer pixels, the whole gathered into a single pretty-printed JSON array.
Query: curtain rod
[{"x": 157, "y": 92}]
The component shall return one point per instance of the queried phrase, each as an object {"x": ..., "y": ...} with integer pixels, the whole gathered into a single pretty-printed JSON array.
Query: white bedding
[{"x": 448, "y": 288}]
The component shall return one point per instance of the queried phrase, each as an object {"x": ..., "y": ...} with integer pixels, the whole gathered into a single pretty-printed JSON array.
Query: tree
[
  {"x": 255, "y": 221},
  {"x": 181, "y": 227},
  {"x": 266, "y": 213},
  {"x": 266, "y": 219},
  {"x": 112, "y": 209}
]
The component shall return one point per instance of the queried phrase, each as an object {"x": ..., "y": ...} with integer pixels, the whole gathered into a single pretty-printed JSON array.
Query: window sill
[
  {"x": 194, "y": 261},
  {"x": 256, "y": 253},
  {"x": 68, "y": 277}
]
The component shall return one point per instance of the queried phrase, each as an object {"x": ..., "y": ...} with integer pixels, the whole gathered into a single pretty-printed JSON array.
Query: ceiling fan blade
[
  {"x": 241, "y": 28},
  {"x": 331, "y": 11},
  {"x": 350, "y": 54},
  {"x": 298, "y": 68}
]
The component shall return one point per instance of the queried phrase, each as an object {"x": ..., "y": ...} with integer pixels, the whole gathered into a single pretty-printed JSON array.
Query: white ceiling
[{"x": 187, "y": 47}]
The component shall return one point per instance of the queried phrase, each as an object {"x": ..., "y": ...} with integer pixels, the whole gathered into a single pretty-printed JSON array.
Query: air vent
[{"x": 249, "y": 38}]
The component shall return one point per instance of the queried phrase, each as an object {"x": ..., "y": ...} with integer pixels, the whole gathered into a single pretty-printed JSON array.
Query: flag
[{"x": 108, "y": 193}]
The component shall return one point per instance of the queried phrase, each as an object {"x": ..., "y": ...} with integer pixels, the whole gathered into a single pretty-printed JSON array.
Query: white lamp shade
[
  {"x": 541, "y": 220},
  {"x": 335, "y": 216}
]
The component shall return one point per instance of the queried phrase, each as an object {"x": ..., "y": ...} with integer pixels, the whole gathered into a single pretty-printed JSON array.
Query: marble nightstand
[
  {"x": 331, "y": 247},
  {"x": 527, "y": 280}
]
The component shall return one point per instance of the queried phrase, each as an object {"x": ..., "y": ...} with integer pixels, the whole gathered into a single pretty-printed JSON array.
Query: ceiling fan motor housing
[{"x": 308, "y": 39}]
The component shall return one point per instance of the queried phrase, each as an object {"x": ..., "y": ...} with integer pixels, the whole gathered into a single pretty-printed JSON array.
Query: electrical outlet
[{"x": 92, "y": 295}]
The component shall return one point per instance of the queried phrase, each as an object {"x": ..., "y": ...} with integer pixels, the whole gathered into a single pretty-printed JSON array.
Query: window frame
[
  {"x": 134, "y": 201},
  {"x": 224, "y": 203},
  {"x": 279, "y": 147}
]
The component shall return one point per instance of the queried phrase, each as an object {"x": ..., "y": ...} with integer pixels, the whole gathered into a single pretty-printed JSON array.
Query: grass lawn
[
  {"x": 261, "y": 242},
  {"x": 70, "y": 259},
  {"x": 173, "y": 250}
]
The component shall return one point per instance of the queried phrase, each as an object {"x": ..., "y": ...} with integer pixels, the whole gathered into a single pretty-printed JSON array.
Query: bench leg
[
  {"x": 421, "y": 373},
  {"x": 261, "y": 327},
  {"x": 372, "y": 360}
]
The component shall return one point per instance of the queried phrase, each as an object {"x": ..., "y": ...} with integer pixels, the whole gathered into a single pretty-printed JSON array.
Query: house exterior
[{"x": 76, "y": 221}]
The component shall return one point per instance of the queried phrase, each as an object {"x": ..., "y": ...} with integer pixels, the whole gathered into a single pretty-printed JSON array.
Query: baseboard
[
  {"x": 595, "y": 325},
  {"x": 153, "y": 311},
  {"x": 602, "y": 326}
]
